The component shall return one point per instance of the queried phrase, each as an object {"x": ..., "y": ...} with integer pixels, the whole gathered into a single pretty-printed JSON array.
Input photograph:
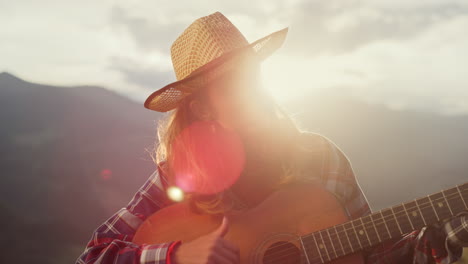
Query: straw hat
[{"x": 208, "y": 47}]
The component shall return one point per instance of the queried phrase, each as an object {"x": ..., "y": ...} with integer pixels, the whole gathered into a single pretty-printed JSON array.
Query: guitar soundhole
[{"x": 282, "y": 253}]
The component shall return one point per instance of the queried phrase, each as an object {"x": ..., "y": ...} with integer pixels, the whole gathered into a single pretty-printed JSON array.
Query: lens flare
[
  {"x": 105, "y": 174},
  {"x": 207, "y": 158},
  {"x": 175, "y": 193}
]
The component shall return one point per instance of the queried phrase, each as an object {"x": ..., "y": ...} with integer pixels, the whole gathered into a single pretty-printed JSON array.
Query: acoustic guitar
[{"x": 303, "y": 224}]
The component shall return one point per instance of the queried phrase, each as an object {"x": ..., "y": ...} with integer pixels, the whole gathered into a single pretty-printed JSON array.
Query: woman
[{"x": 218, "y": 76}]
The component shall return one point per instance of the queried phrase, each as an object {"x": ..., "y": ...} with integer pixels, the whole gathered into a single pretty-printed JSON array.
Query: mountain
[{"x": 72, "y": 156}]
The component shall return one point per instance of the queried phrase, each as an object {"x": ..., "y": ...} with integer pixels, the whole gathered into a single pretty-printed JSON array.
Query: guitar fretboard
[{"x": 364, "y": 232}]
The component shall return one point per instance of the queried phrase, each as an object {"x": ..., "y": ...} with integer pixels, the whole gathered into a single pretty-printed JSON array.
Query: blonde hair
[{"x": 285, "y": 133}]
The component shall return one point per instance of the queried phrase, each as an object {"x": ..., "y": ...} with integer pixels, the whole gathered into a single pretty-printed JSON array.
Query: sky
[{"x": 404, "y": 54}]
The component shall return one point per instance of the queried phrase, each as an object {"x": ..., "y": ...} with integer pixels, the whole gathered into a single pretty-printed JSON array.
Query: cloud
[
  {"x": 143, "y": 75},
  {"x": 424, "y": 73},
  {"x": 400, "y": 53},
  {"x": 157, "y": 31},
  {"x": 335, "y": 26},
  {"x": 148, "y": 36}
]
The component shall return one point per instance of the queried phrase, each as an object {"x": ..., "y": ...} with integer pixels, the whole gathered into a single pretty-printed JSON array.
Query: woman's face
[
  {"x": 235, "y": 97},
  {"x": 238, "y": 101}
]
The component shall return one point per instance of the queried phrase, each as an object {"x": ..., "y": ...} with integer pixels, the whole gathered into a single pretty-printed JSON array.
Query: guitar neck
[{"x": 364, "y": 232}]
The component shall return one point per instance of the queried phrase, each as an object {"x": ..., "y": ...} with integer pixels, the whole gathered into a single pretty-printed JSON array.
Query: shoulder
[
  {"x": 318, "y": 142},
  {"x": 318, "y": 152},
  {"x": 158, "y": 178},
  {"x": 162, "y": 173},
  {"x": 315, "y": 142},
  {"x": 310, "y": 154}
]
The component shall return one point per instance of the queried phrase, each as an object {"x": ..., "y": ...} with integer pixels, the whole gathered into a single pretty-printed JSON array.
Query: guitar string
[
  {"x": 335, "y": 251},
  {"x": 381, "y": 220},
  {"x": 330, "y": 256},
  {"x": 337, "y": 233},
  {"x": 421, "y": 206}
]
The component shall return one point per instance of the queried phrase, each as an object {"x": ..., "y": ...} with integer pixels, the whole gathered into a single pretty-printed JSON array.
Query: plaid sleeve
[
  {"x": 338, "y": 178},
  {"x": 111, "y": 241},
  {"x": 457, "y": 230}
]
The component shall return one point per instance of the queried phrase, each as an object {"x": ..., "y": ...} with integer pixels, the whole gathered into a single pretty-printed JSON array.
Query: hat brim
[{"x": 168, "y": 97}]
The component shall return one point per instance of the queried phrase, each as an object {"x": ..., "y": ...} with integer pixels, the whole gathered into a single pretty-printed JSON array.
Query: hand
[
  {"x": 209, "y": 249},
  {"x": 456, "y": 230},
  {"x": 443, "y": 241}
]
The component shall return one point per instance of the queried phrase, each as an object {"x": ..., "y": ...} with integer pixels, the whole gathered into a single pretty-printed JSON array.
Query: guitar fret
[
  {"x": 437, "y": 215},
  {"x": 442, "y": 207},
  {"x": 318, "y": 249},
  {"x": 419, "y": 209},
  {"x": 414, "y": 214},
  {"x": 370, "y": 229},
  {"x": 463, "y": 200},
  {"x": 355, "y": 233},
  {"x": 386, "y": 226},
  {"x": 453, "y": 201},
  {"x": 376, "y": 231},
  {"x": 352, "y": 236},
  {"x": 391, "y": 222},
  {"x": 448, "y": 205},
  {"x": 364, "y": 231},
  {"x": 323, "y": 245},
  {"x": 339, "y": 240},
  {"x": 464, "y": 188},
  {"x": 396, "y": 220},
  {"x": 347, "y": 237},
  {"x": 332, "y": 244},
  {"x": 428, "y": 212},
  {"x": 403, "y": 219},
  {"x": 409, "y": 219}
]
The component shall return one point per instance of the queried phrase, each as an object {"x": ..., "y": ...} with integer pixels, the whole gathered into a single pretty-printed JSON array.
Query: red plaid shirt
[{"x": 111, "y": 241}]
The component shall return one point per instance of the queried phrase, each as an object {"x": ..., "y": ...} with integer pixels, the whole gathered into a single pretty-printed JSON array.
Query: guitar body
[{"x": 268, "y": 233}]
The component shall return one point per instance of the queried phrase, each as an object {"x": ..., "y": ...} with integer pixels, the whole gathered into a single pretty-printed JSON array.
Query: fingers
[
  {"x": 229, "y": 251},
  {"x": 223, "y": 259},
  {"x": 211, "y": 248},
  {"x": 225, "y": 256},
  {"x": 225, "y": 252},
  {"x": 229, "y": 257},
  {"x": 223, "y": 228},
  {"x": 230, "y": 246}
]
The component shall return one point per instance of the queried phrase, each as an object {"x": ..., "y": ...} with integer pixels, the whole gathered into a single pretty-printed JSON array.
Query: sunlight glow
[{"x": 289, "y": 78}]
